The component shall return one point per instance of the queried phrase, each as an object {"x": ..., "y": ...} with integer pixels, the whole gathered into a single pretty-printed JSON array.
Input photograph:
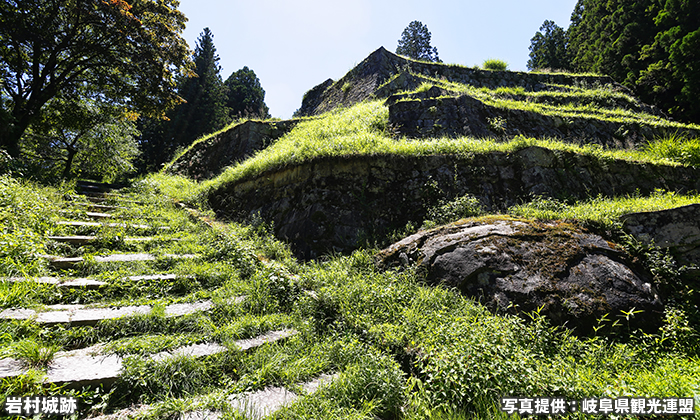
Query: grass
[
  {"x": 400, "y": 349},
  {"x": 495, "y": 64},
  {"x": 360, "y": 130},
  {"x": 34, "y": 354},
  {"x": 601, "y": 211},
  {"x": 603, "y": 103}
]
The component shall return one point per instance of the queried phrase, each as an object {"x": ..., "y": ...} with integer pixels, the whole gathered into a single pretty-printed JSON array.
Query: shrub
[
  {"x": 451, "y": 211},
  {"x": 677, "y": 147},
  {"x": 495, "y": 64}
]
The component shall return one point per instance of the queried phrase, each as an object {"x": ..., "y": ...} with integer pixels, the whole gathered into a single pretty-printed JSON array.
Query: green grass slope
[{"x": 402, "y": 350}]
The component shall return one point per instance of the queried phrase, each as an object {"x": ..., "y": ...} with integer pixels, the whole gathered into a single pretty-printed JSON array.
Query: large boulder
[{"x": 572, "y": 276}]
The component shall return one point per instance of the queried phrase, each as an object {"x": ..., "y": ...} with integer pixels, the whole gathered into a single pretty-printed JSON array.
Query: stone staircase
[{"x": 97, "y": 365}]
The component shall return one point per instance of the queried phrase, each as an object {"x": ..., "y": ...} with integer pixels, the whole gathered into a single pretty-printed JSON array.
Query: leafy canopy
[
  {"x": 415, "y": 43},
  {"x": 80, "y": 137},
  {"x": 246, "y": 97},
  {"x": 127, "y": 52},
  {"x": 650, "y": 46},
  {"x": 548, "y": 48},
  {"x": 203, "y": 110}
]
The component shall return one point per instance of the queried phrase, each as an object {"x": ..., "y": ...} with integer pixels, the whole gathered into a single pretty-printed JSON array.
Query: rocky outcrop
[
  {"x": 376, "y": 77},
  {"x": 571, "y": 276},
  {"x": 208, "y": 158},
  {"x": 432, "y": 114},
  {"x": 677, "y": 230},
  {"x": 336, "y": 203}
]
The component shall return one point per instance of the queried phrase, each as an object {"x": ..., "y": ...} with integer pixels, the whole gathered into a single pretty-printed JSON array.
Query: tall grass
[
  {"x": 677, "y": 147},
  {"x": 602, "y": 211},
  {"x": 495, "y": 64},
  {"x": 360, "y": 130}
]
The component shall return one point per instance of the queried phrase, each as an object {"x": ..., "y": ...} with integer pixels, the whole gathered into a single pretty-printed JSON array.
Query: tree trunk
[
  {"x": 9, "y": 139},
  {"x": 69, "y": 163}
]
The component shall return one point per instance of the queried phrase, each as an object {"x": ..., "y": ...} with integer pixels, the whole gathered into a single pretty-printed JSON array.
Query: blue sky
[{"x": 294, "y": 45}]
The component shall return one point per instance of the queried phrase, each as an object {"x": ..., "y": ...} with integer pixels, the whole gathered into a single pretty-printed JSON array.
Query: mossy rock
[{"x": 572, "y": 276}]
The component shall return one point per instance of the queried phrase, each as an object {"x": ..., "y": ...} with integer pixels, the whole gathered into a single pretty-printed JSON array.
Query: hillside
[{"x": 423, "y": 241}]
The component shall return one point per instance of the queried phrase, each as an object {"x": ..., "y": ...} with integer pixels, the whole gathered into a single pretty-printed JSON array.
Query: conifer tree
[
  {"x": 415, "y": 43},
  {"x": 204, "y": 110},
  {"x": 246, "y": 97},
  {"x": 205, "y": 94},
  {"x": 651, "y": 46},
  {"x": 548, "y": 48}
]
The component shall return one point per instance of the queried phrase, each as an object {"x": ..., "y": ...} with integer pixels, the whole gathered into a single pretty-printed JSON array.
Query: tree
[
  {"x": 651, "y": 46},
  {"x": 80, "y": 137},
  {"x": 126, "y": 52},
  {"x": 246, "y": 97},
  {"x": 415, "y": 43},
  {"x": 548, "y": 48},
  {"x": 672, "y": 76},
  {"x": 607, "y": 37},
  {"x": 203, "y": 110}
]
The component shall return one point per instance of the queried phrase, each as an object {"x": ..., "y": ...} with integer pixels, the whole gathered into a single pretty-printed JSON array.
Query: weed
[
  {"x": 451, "y": 211},
  {"x": 495, "y": 64},
  {"x": 34, "y": 353},
  {"x": 676, "y": 147}
]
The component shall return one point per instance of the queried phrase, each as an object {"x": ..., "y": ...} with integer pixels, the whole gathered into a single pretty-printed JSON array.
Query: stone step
[
  {"x": 85, "y": 282},
  {"x": 89, "y": 214},
  {"x": 65, "y": 263},
  {"x": 79, "y": 315},
  {"x": 84, "y": 240},
  {"x": 263, "y": 403},
  {"x": 100, "y": 185},
  {"x": 91, "y": 366},
  {"x": 76, "y": 223},
  {"x": 77, "y": 283},
  {"x": 114, "y": 198},
  {"x": 99, "y": 207}
]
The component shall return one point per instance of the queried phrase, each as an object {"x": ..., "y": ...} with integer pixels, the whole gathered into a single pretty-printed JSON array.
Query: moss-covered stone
[{"x": 571, "y": 276}]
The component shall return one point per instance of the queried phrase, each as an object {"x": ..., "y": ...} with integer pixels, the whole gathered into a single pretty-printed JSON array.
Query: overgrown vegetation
[
  {"x": 402, "y": 349},
  {"x": 398, "y": 349},
  {"x": 495, "y": 64}
]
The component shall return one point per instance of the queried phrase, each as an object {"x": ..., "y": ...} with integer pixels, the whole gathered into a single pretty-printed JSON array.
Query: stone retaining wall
[
  {"x": 467, "y": 116},
  {"x": 334, "y": 204},
  {"x": 208, "y": 158},
  {"x": 365, "y": 81}
]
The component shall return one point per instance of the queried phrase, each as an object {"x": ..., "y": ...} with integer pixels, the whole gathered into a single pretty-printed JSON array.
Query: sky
[{"x": 293, "y": 46}]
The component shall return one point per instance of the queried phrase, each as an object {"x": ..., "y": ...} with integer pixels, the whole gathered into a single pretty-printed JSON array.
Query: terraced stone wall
[
  {"x": 334, "y": 204},
  {"x": 467, "y": 116},
  {"x": 374, "y": 77},
  {"x": 208, "y": 158}
]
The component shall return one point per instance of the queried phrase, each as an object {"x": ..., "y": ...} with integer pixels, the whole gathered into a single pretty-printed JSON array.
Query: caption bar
[
  {"x": 52, "y": 405},
  {"x": 599, "y": 406}
]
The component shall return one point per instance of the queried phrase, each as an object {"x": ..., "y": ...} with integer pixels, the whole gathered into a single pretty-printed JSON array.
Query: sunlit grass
[
  {"x": 600, "y": 210},
  {"x": 360, "y": 130}
]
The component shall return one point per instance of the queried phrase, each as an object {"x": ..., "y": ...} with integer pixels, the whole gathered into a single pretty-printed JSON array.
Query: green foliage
[
  {"x": 246, "y": 97},
  {"x": 676, "y": 147},
  {"x": 26, "y": 214},
  {"x": 203, "y": 111},
  {"x": 548, "y": 48},
  {"x": 649, "y": 46},
  {"x": 451, "y": 211},
  {"x": 76, "y": 138},
  {"x": 600, "y": 211},
  {"x": 128, "y": 53},
  {"x": 415, "y": 43},
  {"x": 34, "y": 353},
  {"x": 495, "y": 64}
]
